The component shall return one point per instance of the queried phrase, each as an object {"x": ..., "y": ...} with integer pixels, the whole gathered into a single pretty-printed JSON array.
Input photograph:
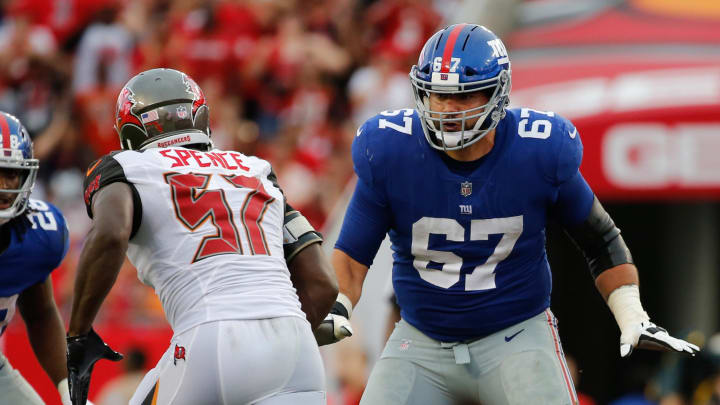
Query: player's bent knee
[{"x": 534, "y": 377}]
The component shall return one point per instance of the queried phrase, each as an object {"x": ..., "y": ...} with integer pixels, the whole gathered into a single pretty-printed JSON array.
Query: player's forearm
[
  {"x": 316, "y": 303},
  {"x": 615, "y": 277},
  {"x": 350, "y": 275},
  {"x": 47, "y": 338},
  {"x": 314, "y": 279},
  {"x": 98, "y": 267},
  {"x": 45, "y": 328}
]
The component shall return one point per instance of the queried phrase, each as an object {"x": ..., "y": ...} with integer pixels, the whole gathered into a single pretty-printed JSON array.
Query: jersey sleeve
[
  {"x": 367, "y": 218},
  {"x": 570, "y": 152},
  {"x": 363, "y": 154},
  {"x": 573, "y": 202},
  {"x": 366, "y": 222},
  {"x": 573, "y": 196},
  {"x": 106, "y": 171},
  {"x": 274, "y": 180},
  {"x": 561, "y": 152},
  {"x": 61, "y": 241},
  {"x": 50, "y": 228}
]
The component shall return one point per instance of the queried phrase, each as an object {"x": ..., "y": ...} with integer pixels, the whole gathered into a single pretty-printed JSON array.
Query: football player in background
[
  {"x": 464, "y": 187},
  {"x": 33, "y": 242},
  {"x": 211, "y": 232}
]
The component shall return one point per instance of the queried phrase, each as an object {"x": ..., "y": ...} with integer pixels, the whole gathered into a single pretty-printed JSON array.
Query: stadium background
[{"x": 290, "y": 80}]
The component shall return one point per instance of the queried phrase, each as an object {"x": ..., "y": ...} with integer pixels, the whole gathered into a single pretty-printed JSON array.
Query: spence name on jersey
[
  {"x": 31, "y": 255},
  {"x": 207, "y": 232},
  {"x": 468, "y": 237}
]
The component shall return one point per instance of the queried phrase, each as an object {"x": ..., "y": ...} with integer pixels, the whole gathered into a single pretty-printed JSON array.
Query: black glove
[{"x": 82, "y": 353}]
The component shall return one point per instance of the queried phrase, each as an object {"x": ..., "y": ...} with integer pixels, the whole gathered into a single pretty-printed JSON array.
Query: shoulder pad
[
  {"x": 380, "y": 137},
  {"x": 100, "y": 173},
  {"x": 554, "y": 139},
  {"x": 47, "y": 218},
  {"x": 105, "y": 171}
]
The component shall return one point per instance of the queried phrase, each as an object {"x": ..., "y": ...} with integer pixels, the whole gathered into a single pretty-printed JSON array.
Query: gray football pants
[
  {"x": 522, "y": 365},
  {"x": 13, "y": 387}
]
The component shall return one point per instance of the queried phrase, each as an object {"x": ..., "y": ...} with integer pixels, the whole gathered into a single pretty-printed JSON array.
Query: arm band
[
  {"x": 298, "y": 234},
  {"x": 624, "y": 303},
  {"x": 600, "y": 240},
  {"x": 342, "y": 306}
]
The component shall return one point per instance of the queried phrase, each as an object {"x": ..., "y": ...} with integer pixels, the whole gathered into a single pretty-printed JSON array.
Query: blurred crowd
[{"x": 286, "y": 80}]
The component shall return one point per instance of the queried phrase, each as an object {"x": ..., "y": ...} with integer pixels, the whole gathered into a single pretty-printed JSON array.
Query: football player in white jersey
[{"x": 240, "y": 274}]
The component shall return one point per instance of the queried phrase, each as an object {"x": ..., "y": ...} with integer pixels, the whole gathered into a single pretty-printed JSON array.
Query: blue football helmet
[
  {"x": 461, "y": 58},
  {"x": 16, "y": 152}
]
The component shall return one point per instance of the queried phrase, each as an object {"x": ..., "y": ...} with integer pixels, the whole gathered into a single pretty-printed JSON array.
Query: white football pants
[{"x": 265, "y": 362}]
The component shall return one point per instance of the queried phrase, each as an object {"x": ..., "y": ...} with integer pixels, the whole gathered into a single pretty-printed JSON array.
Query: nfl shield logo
[
  {"x": 182, "y": 112},
  {"x": 443, "y": 76},
  {"x": 465, "y": 188}
]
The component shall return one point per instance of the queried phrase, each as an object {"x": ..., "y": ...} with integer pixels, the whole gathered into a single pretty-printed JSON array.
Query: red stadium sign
[{"x": 648, "y": 115}]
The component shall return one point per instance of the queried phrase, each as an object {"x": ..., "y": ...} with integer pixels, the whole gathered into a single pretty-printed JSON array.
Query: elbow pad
[
  {"x": 298, "y": 234},
  {"x": 600, "y": 240}
]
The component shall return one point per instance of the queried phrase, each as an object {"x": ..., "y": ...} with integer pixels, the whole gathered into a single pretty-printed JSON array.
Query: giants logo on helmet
[
  {"x": 499, "y": 51},
  {"x": 124, "y": 112},
  {"x": 198, "y": 96}
]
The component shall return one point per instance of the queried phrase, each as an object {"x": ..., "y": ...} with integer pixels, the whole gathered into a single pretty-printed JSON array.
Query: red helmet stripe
[
  {"x": 449, "y": 45},
  {"x": 5, "y": 131}
]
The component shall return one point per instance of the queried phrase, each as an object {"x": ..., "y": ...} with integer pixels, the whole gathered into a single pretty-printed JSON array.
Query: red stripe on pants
[{"x": 561, "y": 358}]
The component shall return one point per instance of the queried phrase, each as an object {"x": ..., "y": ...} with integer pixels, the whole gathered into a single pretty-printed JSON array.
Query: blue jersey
[
  {"x": 468, "y": 237},
  {"x": 30, "y": 257}
]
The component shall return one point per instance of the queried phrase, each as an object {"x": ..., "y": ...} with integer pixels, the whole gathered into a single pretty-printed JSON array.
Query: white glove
[
  {"x": 647, "y": 335},
  {"x": 636, "y": 330},
  {"x": 336, "y": 325}
]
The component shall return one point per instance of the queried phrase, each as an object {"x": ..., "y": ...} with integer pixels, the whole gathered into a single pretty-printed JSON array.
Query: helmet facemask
[
  {"x": 487, "y": 115},
  {"x": 13, "y": 159}
]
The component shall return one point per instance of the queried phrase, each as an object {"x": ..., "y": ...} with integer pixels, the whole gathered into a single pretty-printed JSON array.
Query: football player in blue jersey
[
  {"x": 464, "y": 186},
  {"x": 33, "y": 242}
]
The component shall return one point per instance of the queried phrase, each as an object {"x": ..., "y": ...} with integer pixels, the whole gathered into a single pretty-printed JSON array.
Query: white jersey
[{"x": 209, "y": 234}]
